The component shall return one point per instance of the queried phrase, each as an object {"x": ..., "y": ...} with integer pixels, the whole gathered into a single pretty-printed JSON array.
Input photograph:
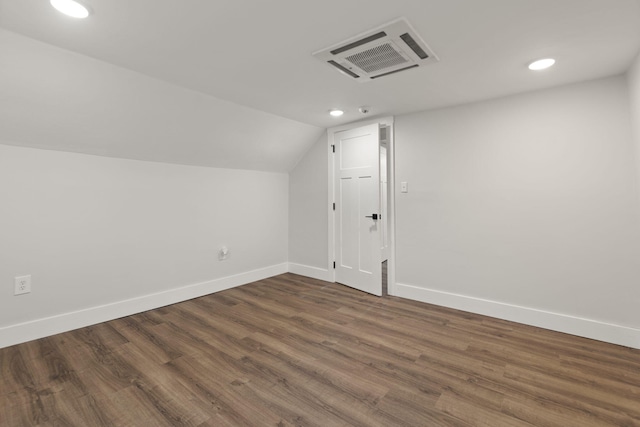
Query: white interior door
[{"x": 358, "y": 223}]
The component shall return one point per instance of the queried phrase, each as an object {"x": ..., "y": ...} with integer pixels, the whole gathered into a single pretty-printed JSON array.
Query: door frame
[{"x": 391, "y": 262}]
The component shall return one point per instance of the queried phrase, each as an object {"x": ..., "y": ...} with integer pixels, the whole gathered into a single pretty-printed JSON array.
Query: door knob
[{"x": 374, "y": 216}]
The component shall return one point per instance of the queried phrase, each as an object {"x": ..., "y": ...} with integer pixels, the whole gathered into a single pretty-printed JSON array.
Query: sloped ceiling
[
  {"x": 55, "y": 99},
  {"x": 232, "y": 83}
]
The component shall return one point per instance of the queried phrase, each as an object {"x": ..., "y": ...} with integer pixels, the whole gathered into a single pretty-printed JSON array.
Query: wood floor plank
[
  {"x": 475, "y": 414},
  {"x": 596, "y": 399},
  {"x": 295, "y": 351},
  {"x": 228, "y": 404},
  {"x": 82, "y": 410},
  {"x": 543, "y": 413},
  {"x": 144, "y": 336},
  {"x": 413, "y": 408}
]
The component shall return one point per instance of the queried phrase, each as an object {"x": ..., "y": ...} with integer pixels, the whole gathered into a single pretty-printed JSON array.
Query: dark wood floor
[{"x": 295, "y": 351}]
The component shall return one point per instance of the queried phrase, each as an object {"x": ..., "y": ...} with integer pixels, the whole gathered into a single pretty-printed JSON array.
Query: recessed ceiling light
[
  {"x": 71, "y": 8},
  {"x": 542, "y": 64},
  {"x": 336, "y": 113}
]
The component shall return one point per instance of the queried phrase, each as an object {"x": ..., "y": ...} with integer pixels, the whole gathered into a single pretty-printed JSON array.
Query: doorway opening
[{"x": 361, "y": 200}]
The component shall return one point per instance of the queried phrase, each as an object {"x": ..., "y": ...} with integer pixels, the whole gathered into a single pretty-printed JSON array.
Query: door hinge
[
  {"x": 334, "y": 206},
  {"x": 334, "y": 264},
  {"x": 333, "y": 148}
]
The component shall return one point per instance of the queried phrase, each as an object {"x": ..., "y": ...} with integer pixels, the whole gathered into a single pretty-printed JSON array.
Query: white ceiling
[
  {"x": 257, "y": 54},
  {"x": 55, "y": 99}
]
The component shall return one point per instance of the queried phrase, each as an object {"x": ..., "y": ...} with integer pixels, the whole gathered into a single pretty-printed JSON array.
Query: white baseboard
[
  {"x": 308, "y": 271},
  {"x": 39, "y": 328},
  {"x": 601, "y": 331}
]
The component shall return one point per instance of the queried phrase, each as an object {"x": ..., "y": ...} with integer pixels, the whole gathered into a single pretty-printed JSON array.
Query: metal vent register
[
  {"x": 376, "y": 59},
  {"x": 380, "y": 52}
]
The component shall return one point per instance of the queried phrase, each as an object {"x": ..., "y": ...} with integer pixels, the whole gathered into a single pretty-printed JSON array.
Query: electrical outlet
[
  {"x": 223, "y": 253},
  {"x": 22, "y": 285}
]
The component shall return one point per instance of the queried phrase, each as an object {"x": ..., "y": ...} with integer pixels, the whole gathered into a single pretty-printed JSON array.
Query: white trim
[
  {"x": 391, "y": 264},
  {"x": 587, "y": 328},
  {"x": 388, "y": 120},
  {"x": 39, "y": 328},
  {"x": 309, "y": 271},
  {"x": 331, "y": 214}
]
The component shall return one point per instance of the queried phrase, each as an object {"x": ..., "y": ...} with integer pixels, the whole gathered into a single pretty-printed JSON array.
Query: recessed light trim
[
  {"x": 542, "y": 64},
  {"x": 71, "y": 8},
  {"x": 336, "y": 112}
]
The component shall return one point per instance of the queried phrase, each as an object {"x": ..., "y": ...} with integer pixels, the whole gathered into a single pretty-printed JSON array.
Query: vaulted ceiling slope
[
  {"x": 232, "y": 83},
  {"x": 55, "y": 99}
]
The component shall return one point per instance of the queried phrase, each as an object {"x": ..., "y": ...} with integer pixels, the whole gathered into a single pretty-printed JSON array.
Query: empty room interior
[{"x": 337, "y": 213}]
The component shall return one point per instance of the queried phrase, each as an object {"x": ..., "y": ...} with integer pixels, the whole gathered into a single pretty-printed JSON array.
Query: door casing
[{"x": 391, "y": 261}]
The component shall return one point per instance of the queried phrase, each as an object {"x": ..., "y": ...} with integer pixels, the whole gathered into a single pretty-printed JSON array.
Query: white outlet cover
[{"x": 22, "y": 285}]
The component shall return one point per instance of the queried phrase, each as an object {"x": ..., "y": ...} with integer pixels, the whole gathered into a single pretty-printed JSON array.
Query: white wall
[
  {"x": 525, "y": 208},
  {"x": 94, "y": 231},
  {"x": 308, "y": 221}
]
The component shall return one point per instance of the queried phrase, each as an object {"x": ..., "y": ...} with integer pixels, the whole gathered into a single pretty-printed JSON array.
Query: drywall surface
[
  {"x": 59, "y": 100},
  {"x": 308, "y": 198},
  {"x": 95, "y": 230},
  {"x": 527, "y": 201}
]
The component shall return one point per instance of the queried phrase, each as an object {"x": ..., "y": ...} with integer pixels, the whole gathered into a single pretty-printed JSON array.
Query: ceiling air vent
[{"x": 392, "y": 48}]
